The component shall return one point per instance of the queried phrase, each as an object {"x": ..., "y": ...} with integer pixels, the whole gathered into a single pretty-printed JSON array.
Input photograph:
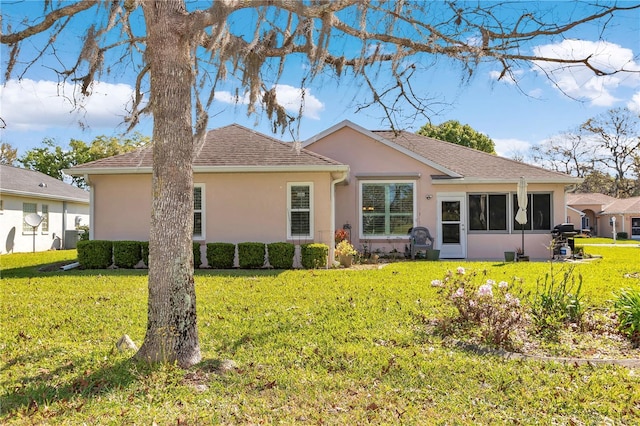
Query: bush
[
  {"x": 221, "y": 255},
  {"x": 622, "y": 235},
  {"x": 251, "y": 255},
  {"x": 281, "y": 255},
  {"x": 557, "y": 303},
  {"x": 314, "y": 256},
  {"x": 197, "y": 256},
  {"x": 494, "y": 310},
  {"x": 95, "y": 254},
  {"x": 126, "y": 254},
  {"x": 627, "y": 306},
  {"x": 144, "y": 245}
]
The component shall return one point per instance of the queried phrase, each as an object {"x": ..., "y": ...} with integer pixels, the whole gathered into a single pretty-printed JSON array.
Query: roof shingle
[{"x": 14, "y": 180}]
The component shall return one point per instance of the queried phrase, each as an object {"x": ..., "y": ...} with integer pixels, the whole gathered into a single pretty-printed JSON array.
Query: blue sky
[{"x": 515, "y": 116}]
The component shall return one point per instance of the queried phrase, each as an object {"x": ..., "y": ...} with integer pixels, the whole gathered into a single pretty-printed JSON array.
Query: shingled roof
[
  {"x": 30, "y": 183},
  {"x": 455, "y": 163},
  {"x": 228, "y": 148},
  {"x": 607, "y": 204}
]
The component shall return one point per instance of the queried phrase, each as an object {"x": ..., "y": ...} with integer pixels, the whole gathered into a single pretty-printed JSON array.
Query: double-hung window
[
  {"x": 299, "y": 210},
  {"x": 388, "y": 208},
  {"x": 198, "y": 211}
]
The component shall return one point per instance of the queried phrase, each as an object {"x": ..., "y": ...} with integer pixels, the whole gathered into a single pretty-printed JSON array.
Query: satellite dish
[{"x": 33, "y": 219}]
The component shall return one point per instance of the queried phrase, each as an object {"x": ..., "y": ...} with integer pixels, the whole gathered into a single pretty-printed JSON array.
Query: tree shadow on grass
[{"x": 27, "y": 394}]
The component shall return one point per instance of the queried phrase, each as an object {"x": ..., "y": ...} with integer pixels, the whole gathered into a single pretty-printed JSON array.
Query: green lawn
[{"x": 312, "y": 347}]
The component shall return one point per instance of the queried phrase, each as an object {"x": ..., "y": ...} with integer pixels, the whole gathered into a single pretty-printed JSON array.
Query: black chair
[{"x": 420, "y": 239}]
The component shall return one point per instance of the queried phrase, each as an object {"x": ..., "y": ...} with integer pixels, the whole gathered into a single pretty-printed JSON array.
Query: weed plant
[{"x": 627, "y": 307}]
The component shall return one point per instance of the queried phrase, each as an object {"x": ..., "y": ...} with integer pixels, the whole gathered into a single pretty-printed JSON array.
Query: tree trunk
[{"x": 172, "y": 333}]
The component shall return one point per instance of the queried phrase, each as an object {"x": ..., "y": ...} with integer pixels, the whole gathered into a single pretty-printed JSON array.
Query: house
[
  {"x": 596, "y": 212},
  {"x": 62, "y": 208},
  {"x": 375, "y": 184}
]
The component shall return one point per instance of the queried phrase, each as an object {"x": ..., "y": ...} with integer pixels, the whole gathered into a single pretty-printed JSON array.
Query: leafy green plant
[
  {"x": 627, "y": 306},
  {"x": 95, "y": 254},
  {"x": 314, "y": 256},
  {"x": 494, "y": 308},
  {"x": 197, "y": 255},
  {"x": 281, "y": 255},
  {"x": 126, "y": 254},
  {"x": 344, "y": 248},
  {"x": 557, "y": 301},
  {"x": 251, "y": 255},
  {"x": 221, "y": 255}
]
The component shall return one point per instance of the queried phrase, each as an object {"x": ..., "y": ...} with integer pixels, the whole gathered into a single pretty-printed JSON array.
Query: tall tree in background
[
  {"x": 8, "y": 154},
  {"x": 454, "y": 132},
  {"x": 51, "y": 159},
  {"x": 181, "y": 53},
  {"x": 616, "y": 137},
  {"x": 568, "y": 153}
]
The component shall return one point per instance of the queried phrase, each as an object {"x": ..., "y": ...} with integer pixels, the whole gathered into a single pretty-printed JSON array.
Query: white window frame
[
  {"x": 44, "y": 208},
  {"x": 291, "y": 210},
  {"x": 202, "y": 211},
  {"x": 26, "y": 229},
  {"x": 387, "y": 182}
]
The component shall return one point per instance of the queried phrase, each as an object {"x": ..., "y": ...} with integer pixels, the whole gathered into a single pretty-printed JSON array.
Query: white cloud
[
  {"x": 511, "y": 147},
  {"x": 634, "y": 103},
  {"x": 291, "y": 98},
  {"x": 580, "y": 82},
  {"x": 38, "y": 105}
]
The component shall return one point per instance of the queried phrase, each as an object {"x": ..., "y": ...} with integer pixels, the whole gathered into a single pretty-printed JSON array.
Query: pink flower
[
  {"x": 459, "y": 293},
  {"x": 510, "y": 299},
  {"x": 485, "y": 290},
  {"x": 503, "y": 284},
  {"x": 490, "y": 282},
  {"x": 460, "y": 270},
  {"x": 436, "y": 283}
]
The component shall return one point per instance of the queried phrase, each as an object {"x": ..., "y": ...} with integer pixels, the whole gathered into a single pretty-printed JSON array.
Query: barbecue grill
[{"x": 562, "y": 235}]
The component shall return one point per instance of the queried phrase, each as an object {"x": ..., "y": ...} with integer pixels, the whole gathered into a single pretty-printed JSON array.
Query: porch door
[{"x": 452, "y": 238}]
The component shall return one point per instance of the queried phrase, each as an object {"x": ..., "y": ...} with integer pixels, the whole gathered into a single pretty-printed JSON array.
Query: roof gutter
[
  {"x": 212, "y": 169},
  {"x": 466, "y": 181},
  {"x": 45, "y": 196}
]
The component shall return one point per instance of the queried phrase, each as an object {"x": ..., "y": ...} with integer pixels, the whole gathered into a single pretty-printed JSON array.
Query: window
[
  {"x": 538, "y": 212},
  {"x": 488, "y": 212},
  {"x": 635, "y": 226},
  {"x": 299, "y": 210},
  {"x": 387, "y": 208},
  {"x": 27, "y": 209},
  {"x": 198, "y": 211},
  {"x": 44, "y": 225}
]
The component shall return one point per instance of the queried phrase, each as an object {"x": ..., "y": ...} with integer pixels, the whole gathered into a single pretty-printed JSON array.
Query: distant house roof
[
  {"x": 605, "y": 203},
  {"x": 232, "y": 148},
  {"x": 30, "y": 183},
  {"x": 456, "y": 162},
  {"x": 589, "y": 198}
]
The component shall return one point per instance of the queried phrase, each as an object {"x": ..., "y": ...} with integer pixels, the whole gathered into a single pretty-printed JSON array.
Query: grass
[{"x": 331, "y": 347}]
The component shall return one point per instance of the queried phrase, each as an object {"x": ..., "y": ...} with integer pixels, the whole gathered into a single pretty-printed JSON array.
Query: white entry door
[{"x": 452, "y": 234}]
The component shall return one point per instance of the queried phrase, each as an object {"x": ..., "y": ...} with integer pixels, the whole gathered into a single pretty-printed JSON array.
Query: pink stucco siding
[{"x": 239, "y": 207}]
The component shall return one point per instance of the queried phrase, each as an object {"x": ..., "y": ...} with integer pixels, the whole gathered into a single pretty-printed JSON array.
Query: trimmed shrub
[
  {"x": 95, "y": 254},
  {"x": 251, "y": 255},
  {"x": 145, "y": 252},
  {"x": 622, "y": 235},
  {"x": 221, "y": 255},
  {"x": 126, "y": 254},
  {"x": 281, "y": 255},
  {"x": 314, "y": 255},
  {"x": 197, "y": 256}
]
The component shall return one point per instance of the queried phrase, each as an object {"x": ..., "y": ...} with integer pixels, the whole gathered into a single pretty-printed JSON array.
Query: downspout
[
  {"x": 64, "y": 225},
  {"x": 334, "y": 182},
  {"x": 92, "y": 205}
]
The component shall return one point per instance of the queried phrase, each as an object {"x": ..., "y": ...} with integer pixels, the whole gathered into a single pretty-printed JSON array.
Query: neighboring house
[
  {"x": 250, "y": 187},
  {"x": 61, "y": 206},
  {"x": 595, "y": 212}
]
